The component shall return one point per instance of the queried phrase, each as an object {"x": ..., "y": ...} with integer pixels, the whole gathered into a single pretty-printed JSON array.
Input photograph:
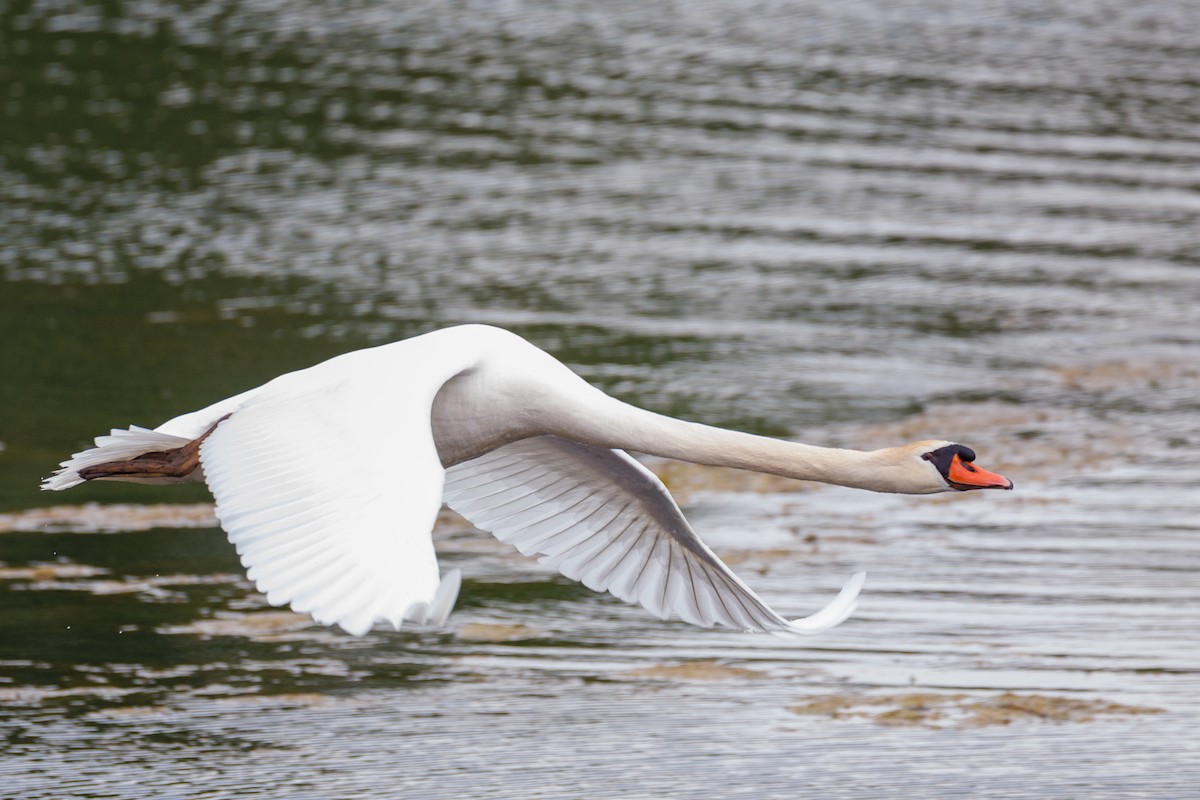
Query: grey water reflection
[{"x": 854, "y": 223}]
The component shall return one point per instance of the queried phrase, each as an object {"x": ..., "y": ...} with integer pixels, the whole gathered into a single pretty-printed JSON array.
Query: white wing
[
  {"x": 328, "y": 484},
  {"x": 600, "y": 517}
]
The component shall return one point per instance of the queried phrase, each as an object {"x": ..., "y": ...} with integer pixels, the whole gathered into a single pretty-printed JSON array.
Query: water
[{"x": 855, "y": 224}]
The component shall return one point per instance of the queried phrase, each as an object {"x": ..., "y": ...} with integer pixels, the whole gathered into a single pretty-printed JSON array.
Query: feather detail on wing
[
  {"x": 330, "y": 492},
  {"x": 600, "y": 517}
]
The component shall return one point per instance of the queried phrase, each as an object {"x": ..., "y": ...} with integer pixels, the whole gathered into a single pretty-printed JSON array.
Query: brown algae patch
[
  {"x": 127, "y": 517},
  {"x": 281, "y": 700},
  {"x": 129, "y": 712},
  {"x": 1124, "y": 375},
  {"x": 760, "y": 558},
  {"x": 263, "y": 626},
  {"x": 56, "y": 578},
  {"x": 960, "y": 711},
  {"x": 702, "y": 670},
  {"x": 496, "y": 632},
  {"x": 108, "y": 518},
  {"x": 1008, "y": 707},
  {"x": 36, "y": 695},
  {"x": 49, "y": 572}
]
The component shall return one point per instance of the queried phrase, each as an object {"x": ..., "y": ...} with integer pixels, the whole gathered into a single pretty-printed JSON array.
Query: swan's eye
[{"x": 942, "y": 457}]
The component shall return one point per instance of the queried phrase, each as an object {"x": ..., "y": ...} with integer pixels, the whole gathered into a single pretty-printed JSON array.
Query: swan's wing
[
  {"x": 330, "y": 492},
  {"x": 600, "y": 517}
]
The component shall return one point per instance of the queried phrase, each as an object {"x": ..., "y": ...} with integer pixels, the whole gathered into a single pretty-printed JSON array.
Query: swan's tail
[{"x": 120, "y": 445}]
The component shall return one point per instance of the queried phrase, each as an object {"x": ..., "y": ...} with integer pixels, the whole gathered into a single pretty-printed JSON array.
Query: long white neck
[{"x": 627, "y": 427}]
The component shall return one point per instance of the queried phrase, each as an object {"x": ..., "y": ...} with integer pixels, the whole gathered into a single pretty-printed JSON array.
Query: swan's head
[{"x": 951, "y": 467}]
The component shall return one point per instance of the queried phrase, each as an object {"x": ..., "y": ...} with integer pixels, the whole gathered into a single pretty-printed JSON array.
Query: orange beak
[{"x": 964, "y": 475}]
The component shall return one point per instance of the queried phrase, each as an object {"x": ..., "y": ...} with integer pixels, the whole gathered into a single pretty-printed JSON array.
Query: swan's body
[{"x": 328, "y": 481}]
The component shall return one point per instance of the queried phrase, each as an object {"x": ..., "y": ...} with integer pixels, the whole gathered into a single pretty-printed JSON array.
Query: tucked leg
[{"x": 178, "y": 462}]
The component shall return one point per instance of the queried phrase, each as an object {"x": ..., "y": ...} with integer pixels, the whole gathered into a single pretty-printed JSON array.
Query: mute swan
[{"x": 328, "y": 481}]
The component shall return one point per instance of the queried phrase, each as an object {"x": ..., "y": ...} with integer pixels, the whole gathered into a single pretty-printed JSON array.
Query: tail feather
[{"x": 118, "y": 445}]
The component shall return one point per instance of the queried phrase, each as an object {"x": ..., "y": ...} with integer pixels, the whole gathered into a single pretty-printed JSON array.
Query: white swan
[{"x": 328, "y": 481}]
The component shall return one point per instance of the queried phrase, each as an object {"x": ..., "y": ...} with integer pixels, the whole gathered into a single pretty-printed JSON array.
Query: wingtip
[
  {"x": 62, "y": 478},
  {"x": 840, "y": 608},
  {"x": 445, "y": 597}
]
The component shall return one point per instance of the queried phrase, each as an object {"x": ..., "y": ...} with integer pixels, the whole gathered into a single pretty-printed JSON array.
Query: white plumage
[{"x": 328, "y": 482}]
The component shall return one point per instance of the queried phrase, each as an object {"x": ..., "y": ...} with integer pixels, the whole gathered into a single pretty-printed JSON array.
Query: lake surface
[{"x": 855, "y": 224}]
